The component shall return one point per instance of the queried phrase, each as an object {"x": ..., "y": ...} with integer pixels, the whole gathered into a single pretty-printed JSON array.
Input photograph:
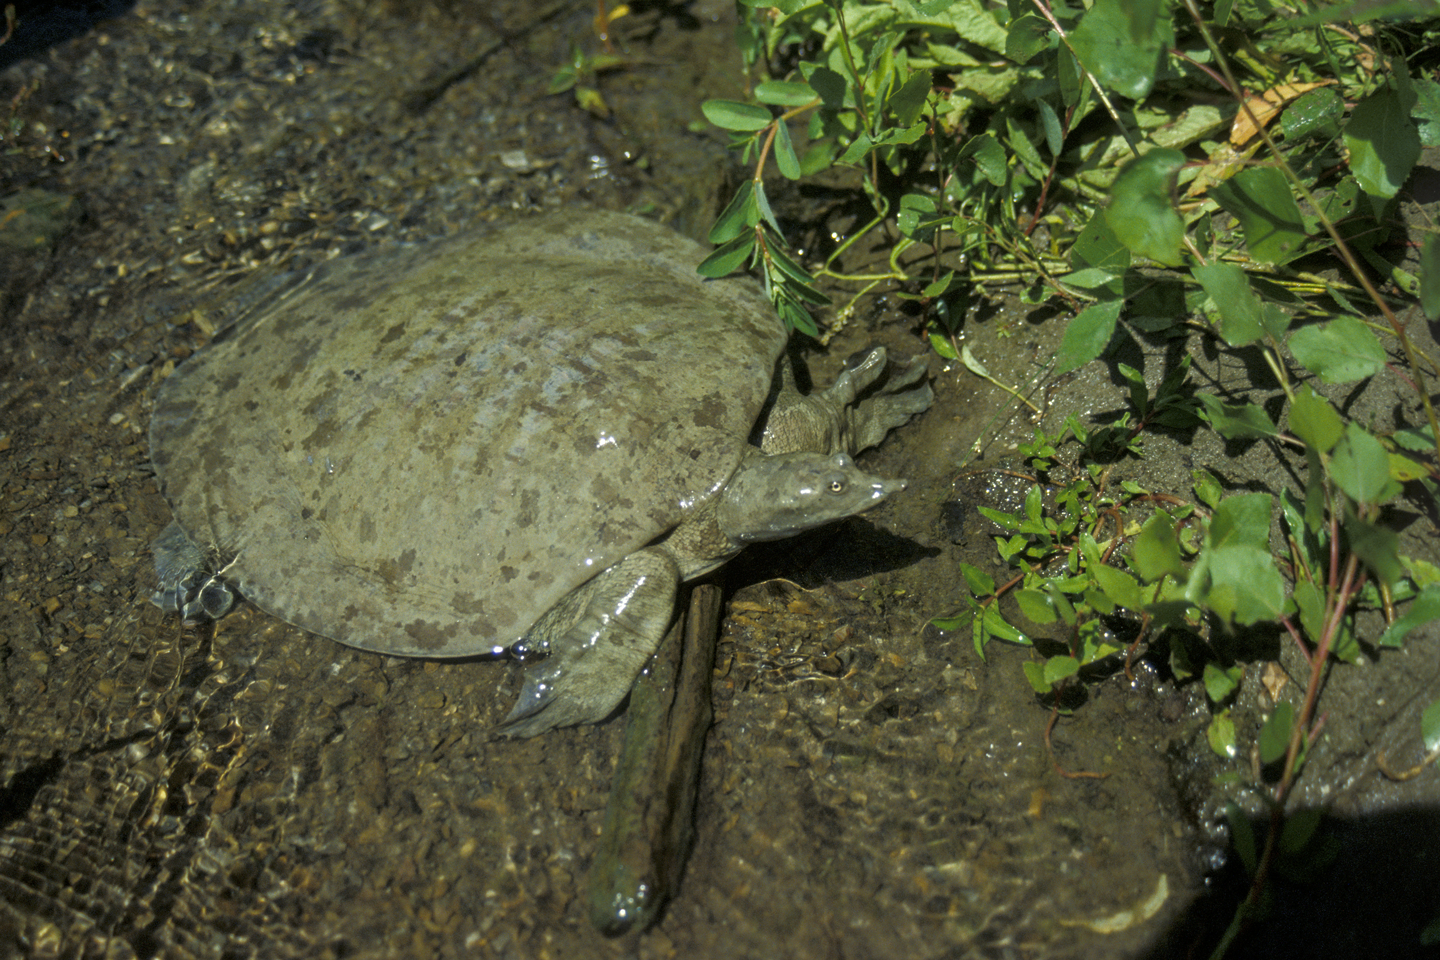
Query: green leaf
[
  {"x": 728, "y": 257},
  {"x": 829, "y": 86},
  {"x": 1338, "y": 350},
  {"x": 564, "y": 79},
  {"x": 739, "y": 215},
  {"x": 1050, "y": 122},
  {"x": 1235, "y": 421},
  {"x": 1098, "y": 247},
  {"x": 1299, "y": 829},
  {"x": 1424, "y": 609},
  {"x": 1235, "y": 575},
  {"x": 1034, "y": 503},
  {"x": 1139, "y": 394},
  {"x": 1120, "y": 42},
  {"x": 1219, "y": 683},
  {"x": 1142, "y": 207},
  {"x": 1420, "y": 440},
  {"x": 785, "y": 158},
  {"x": 795, "y": 317},
  {"x": 1240, "y": 313},
  {"x": 1314, "y": 420},
  {"x": 734, "y": 115},
  {"x": 1361, "y": 467},
  {"x": 857, "y": 150},
  {"x": 951, "y": 624},
  {"x": 1275, "y": 735},
  {"x": 1073, "y": 89},
  {"x": 796, "y": 278},
  {"x": 784, "y": 94},
  {"x": 1060, "y": 668},
  {"x": 1221, "y": 735},
  {"x": 1087, "y": 335},
  {"x": 1207, "y": 488},
  {"x": 1028, "y": 35},
  {"x": 1119, "y": 586},
  {"x": 1275, "y": 321},
  {"x": 1377, "y": 547},
  {"x": 908, "y": 102},
  {"x": 1430, "y": 727},
  {"x": 981, "y": 583},
  {"x": 1100, "y": 603},
  {"x": 1035, "y": 605},
  {"x": 819, "y": 156},
  {"x": 989, "y": 157},
  {"x": 1061, "y": 604},
  {"x": 1427, "y": 111},
  {"x": 1344, "y": 646},
  {"x": 1430, "y": 277},
  {"x": 1243, "y": 585},
  {"x": 938, "y": 287},
  {"x": 762, "y": 205},
  {"x": 1315, "y": 495},
  {"x": 1316, "y": 111},
  {"x": 1383, "y": 142},
  {"x": 996, "y": 626},
  {"x": 1156, "y": 552},
  {"x": 1260, "y": 198},
  {"x": 1006, "y": 521},
  {"x": 1243, "y": 519},
  {"x": 1035, "y": 673},
  {"x": 1093, "y": 278},
  {"x": 1310, "y": 601}
]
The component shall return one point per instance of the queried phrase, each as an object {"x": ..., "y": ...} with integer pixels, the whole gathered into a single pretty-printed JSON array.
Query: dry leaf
[{"x": 1265, "y": 106}]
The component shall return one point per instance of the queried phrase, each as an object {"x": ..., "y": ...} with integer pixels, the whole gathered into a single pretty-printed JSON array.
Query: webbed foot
[
  {"x": 898, "y": 391},
  {"x": 597, "y": 639}
]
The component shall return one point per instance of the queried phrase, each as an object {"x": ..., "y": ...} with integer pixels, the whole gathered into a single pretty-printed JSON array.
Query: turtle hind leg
[
  {"x": 186, "y": 585},
  {"x": 599, "y": 638}
]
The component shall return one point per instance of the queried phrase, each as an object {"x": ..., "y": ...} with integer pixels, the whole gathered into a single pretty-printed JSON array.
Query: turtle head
[{"x": 777, "y": 496}]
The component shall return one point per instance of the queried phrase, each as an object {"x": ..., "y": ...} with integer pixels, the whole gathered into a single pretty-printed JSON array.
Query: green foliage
[
  {"x": 1142, "y": 212},
  {"x": 966, "y": 124},
  {"x": 581, "y": 75},
  {"x": 1183, "y": 164},
  {"x": 1191, "y": 568}
]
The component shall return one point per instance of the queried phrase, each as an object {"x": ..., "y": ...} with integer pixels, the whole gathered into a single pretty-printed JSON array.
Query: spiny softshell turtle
[{"x": 521, "y": 439}]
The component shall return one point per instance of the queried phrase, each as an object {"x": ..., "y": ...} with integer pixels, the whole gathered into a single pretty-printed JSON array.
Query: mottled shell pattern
[{"x": 420, "y": 451}]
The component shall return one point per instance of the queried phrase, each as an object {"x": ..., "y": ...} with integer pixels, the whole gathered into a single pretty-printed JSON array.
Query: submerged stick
[{"x": 649, "y": 821}]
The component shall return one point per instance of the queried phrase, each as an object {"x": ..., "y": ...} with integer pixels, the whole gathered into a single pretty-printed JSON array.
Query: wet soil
[{"x": 871, "y": 787}]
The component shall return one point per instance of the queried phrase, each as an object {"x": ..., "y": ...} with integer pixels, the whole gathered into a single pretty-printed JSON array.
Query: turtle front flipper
[
  {"x": 878, "y": 394},
  {"x": 596, "y": 640},
  {"x": 871, "y": 397}
]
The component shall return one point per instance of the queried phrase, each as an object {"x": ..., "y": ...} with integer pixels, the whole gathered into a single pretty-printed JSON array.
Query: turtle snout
[{"x": 881, "y": 489}]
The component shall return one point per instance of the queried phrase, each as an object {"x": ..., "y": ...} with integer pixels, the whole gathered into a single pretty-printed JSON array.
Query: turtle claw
[
  {"x": 560, "y": 692},
  {"x": 532, "y": 713}
]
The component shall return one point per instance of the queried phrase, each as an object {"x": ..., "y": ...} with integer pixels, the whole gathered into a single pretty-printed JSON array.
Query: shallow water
[{"x": 871, "y": 788}]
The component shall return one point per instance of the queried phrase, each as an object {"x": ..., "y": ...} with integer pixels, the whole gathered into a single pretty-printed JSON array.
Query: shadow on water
[{"x": 42, "y": 24}]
